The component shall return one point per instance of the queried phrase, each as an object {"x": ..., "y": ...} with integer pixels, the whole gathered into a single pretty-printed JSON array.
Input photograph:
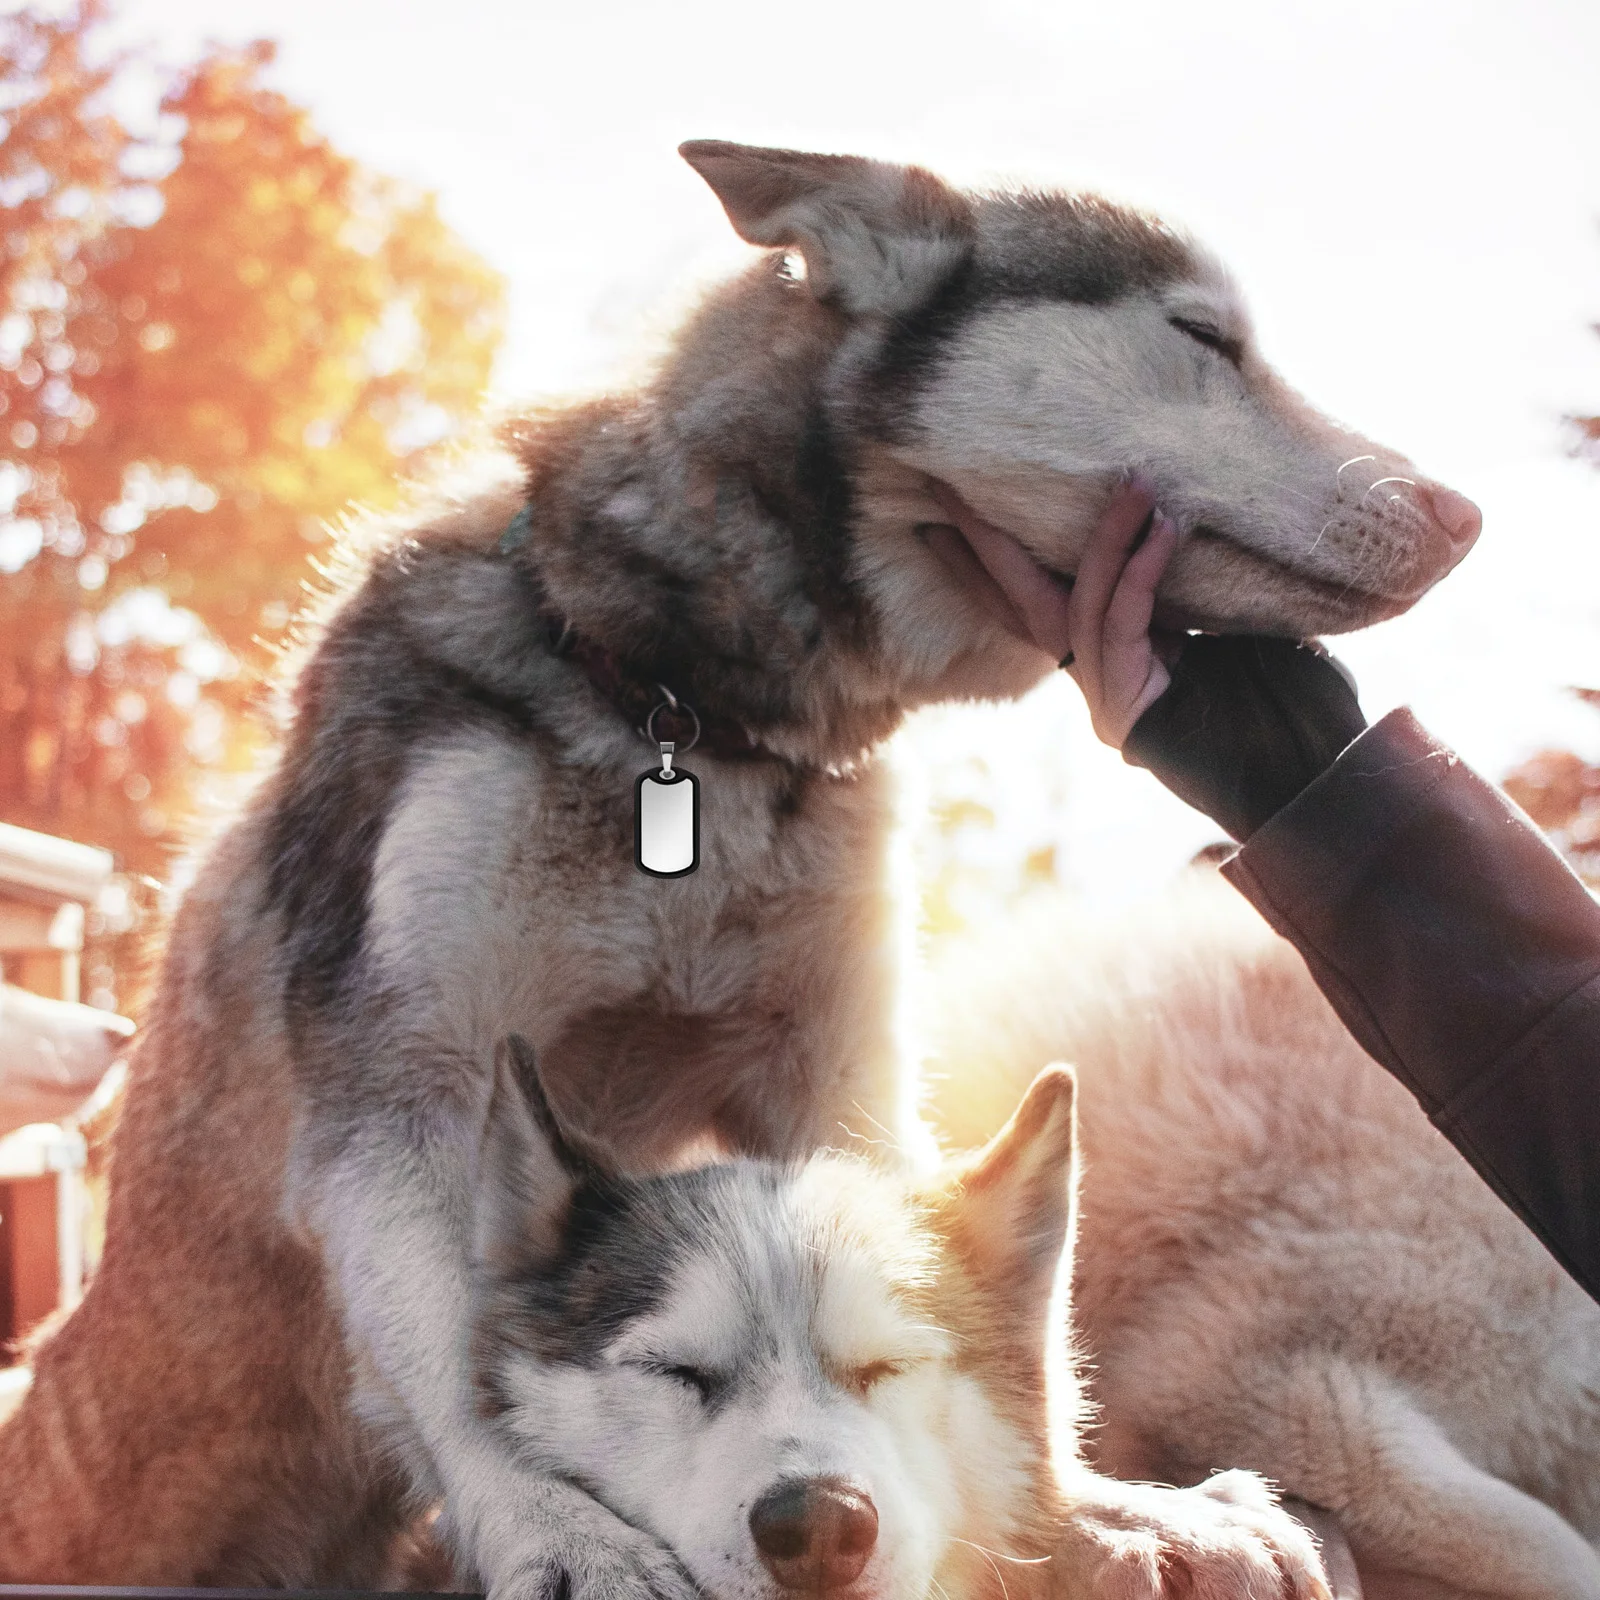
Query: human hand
[
  {"x": 1100, "y": 628},
  {"x": 1235, "y": 725}
]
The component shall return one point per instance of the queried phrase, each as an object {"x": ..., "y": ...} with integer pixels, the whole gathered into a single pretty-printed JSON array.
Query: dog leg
[
  {"x": 395, "y": 1220},
  {"x": 200, "y": 1459},
  {"x": 1224, "y": 1539},
  {"x": 1421, "y": 1519},
  {"x": 395, "y": 1089},
  {"x": 1415, "y": 1508},
  {"x": 1337, "y": 1557}
]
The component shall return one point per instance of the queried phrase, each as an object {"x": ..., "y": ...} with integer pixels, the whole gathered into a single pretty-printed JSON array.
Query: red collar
[{"x": 651, "y": 708}]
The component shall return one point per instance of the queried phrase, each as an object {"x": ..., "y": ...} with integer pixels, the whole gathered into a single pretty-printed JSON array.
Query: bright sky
[{"x": 1408, "y": 190}]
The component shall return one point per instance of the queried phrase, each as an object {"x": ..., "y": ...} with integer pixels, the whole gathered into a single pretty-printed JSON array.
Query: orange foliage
[
  {"x": 1561, "y": 793},
  {"x": 213, "y": 337}
]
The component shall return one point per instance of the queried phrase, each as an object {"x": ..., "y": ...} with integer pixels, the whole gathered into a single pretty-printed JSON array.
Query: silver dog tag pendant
[{"x": 666, "y": 820}]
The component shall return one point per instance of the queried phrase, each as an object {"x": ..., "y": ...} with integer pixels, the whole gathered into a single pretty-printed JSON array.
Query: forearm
[{"x": 1463, "y": 954}]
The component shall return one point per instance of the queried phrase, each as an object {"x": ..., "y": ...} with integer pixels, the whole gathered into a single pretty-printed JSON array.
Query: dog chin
[
  {"x": 1216, "y": 583},
  {"x": 1309, "y": 620},
  {"x": 869, "y": 1586},
  {"x": 1218, "y": 586}
]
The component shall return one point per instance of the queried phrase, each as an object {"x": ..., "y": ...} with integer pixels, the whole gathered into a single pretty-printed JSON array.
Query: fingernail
[{"x": 1141, "y": 484}]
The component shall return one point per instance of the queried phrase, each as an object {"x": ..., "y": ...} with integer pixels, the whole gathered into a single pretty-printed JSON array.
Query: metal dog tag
[{"x": 666, "y": 820}]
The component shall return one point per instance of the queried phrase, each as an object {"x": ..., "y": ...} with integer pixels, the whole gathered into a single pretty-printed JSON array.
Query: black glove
[{"x": 1247, "y": 724}]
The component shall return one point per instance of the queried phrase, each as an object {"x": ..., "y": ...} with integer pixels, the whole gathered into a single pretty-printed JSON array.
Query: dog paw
[
  {"x": 625, "y": 1565},
  {"x": 1223, "y": 1540}
]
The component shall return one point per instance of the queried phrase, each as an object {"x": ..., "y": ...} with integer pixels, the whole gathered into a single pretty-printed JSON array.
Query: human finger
[
  {"x": 1127, "y": 515},
  {"x": 1132, "y": 673}
]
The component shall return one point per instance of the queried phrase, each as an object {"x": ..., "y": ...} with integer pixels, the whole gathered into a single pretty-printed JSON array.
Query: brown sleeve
[{"x": 1464, "y": 955}]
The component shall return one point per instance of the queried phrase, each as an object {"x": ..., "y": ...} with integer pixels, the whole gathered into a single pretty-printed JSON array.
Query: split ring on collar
[{"x": 673, "y": 703}]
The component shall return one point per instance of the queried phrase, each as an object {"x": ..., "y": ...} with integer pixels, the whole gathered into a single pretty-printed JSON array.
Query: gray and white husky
[
  {"x": 444, "y": 852},
  {"x": 817, "y": 1378}
]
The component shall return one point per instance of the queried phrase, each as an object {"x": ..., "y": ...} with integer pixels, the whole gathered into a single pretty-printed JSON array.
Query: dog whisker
[
  {"x": 995, "y": 1557},
  {"x": 1338, "y": 476},
  {"x": 856, "y": 1105},
  {"x": 1412, "y": 482},
  {"x": 861, "y": 1138},
  {"x": 1001, "y": 1555},
  {"x": 1004, "y": 1591}
]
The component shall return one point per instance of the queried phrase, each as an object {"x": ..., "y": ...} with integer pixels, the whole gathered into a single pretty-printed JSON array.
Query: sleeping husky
[
  {"x": 1281, "y": 1265},
  {"x": 274, "y": 1352},
  {"x": 823, "y": 1378}
]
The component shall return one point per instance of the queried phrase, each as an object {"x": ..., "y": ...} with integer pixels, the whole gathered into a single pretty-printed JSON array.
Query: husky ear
[
  {"x": 528, "y": 1167},
  {"x": 875, "y": 237},
  {"x": 1019, "y": 1197}
]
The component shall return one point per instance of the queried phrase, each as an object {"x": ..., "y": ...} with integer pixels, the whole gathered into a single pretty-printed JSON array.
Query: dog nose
[
  {"x": 815, "y": 1535},
  {"x": 1461, "y": 520}
]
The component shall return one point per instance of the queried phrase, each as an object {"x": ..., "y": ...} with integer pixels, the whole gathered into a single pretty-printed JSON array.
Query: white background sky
[{"x": 1408, "y": 190}]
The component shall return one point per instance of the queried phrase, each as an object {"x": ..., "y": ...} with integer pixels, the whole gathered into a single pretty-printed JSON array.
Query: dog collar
[{"x": 650, "y": 707}]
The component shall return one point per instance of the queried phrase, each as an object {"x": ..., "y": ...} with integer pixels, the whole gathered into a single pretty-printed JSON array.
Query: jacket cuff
[{"x": 1435, "y": 916}]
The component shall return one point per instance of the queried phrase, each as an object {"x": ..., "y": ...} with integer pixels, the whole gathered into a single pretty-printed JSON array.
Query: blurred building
[{"x": 53, "y": 1054}]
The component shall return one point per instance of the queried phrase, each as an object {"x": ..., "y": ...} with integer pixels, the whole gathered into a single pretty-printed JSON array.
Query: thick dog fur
[
  {"x": 274, "y": 1354},
  {"x": 696, "y": 1346},
  {"x": 1280, "y": 1264},
  {"x": 701, "y": 1346}
]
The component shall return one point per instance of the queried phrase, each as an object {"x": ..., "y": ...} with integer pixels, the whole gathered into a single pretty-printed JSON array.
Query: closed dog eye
[
  {"x": 1231, "y": 350},
  {"x": 705, "y": 1384},
  {"x": 867, "y": 1376}
]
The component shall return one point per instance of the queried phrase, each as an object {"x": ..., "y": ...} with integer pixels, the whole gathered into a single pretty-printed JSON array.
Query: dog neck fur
[{"x": 753, "y": 538}]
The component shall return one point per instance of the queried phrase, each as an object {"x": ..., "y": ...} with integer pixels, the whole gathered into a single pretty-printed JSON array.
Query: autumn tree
[{"x": 216, "y": 333}]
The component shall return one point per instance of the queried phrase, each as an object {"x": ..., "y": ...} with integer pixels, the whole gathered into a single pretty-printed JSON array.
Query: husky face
[
  {"x": 740, "y": 1369},
  {"x": 1036, "y": 408},
  {"x": 1030, "y": 350},
  {"x": 764, "y": 1367}
]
